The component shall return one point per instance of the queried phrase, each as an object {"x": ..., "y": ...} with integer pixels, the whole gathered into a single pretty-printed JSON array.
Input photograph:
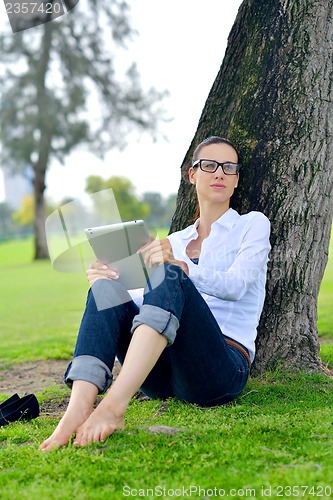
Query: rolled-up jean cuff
[
  {"x": 162, "y": 321},
  {"x": 89, "y": 369}
]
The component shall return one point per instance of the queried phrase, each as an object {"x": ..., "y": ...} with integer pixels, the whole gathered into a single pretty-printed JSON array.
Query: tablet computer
[{"x": 116, "y": 245}]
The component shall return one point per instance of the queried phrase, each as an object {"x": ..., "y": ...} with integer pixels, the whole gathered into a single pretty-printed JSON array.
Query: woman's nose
[{"x": 219, "y": 172}]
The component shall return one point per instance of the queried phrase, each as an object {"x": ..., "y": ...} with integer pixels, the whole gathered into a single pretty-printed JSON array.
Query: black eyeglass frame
[{"x": 197, "y": 164}]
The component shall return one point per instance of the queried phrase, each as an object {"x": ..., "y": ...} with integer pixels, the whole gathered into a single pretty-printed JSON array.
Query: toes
[
  {"x": 104, "y": 434},
  {"x": 80, "y": 438},
  {"x": 43, "y": 446},
  {"x": 98, "y": 437},
  {"x": 90, "y": 433},
  {"x": 85, "y": 437},
  {"x": 55, "y": 441},
  {"x": 46, "y": 444},
  {"x": 49, "y": 445}
]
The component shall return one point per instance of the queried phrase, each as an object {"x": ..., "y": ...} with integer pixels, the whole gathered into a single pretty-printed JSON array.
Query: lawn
[
  {"x": 275, "y": 440},
  {"x": 325, "y": 300}
]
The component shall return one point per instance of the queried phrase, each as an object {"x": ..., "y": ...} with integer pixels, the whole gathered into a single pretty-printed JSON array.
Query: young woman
[{"x": 193, "y": 336}]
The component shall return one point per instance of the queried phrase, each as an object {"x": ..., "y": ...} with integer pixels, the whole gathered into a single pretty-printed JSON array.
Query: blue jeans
[{"x": 197, "y": 365}]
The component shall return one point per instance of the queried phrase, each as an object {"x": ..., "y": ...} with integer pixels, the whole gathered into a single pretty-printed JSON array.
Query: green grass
[
  {"x": 40, "y": 309},
  {"x": 325, "y": 299},
  {"x": 279, "y": 433}
]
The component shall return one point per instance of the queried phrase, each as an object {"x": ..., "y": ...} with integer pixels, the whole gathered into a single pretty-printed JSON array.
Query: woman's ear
[
  {"x": 237, "y": 179},
  {"x": 191, "y": 175}
]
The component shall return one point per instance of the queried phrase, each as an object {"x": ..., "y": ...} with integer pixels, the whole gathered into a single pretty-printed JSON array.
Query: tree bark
[{"x": 273, "y": 98}]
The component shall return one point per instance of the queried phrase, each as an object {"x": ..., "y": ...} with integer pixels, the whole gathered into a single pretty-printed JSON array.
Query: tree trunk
[
  {"x": 41, "y": 250},
  {"x": 40, "y": 167},
  {"x": 273, "y": 98}
]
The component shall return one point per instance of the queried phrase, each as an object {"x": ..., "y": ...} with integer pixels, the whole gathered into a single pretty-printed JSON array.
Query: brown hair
[{"x": 214, "y": 139}]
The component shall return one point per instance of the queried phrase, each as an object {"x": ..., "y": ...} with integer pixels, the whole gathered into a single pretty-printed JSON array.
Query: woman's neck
[{"x": 208, "y": 215}]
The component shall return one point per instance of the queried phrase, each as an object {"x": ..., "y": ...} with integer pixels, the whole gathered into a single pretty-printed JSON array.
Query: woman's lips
[{"x": 218, "y": 186}]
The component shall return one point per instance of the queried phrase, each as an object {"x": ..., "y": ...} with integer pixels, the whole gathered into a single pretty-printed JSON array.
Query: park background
[
  {"x": 172, "y": 54},
  {"x": 278, "y": 434}
]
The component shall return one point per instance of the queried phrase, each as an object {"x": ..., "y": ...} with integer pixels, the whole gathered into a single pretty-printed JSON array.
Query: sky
[{"x": 179, "y": 48}]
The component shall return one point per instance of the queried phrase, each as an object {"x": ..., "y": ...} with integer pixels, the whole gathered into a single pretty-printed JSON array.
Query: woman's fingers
[
  {"x": 98, "y": 265},
  {"x": 147, "y": 245},
  {"x": 98, "y": 270},
  {"x": 157, "y": 252}
]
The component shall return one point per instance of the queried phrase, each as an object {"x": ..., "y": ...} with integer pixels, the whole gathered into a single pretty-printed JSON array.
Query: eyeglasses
[{"x": 228, "y": 167}]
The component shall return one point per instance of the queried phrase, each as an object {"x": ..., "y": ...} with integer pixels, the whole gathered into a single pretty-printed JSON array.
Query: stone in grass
[{"x": 164, "y": 429}]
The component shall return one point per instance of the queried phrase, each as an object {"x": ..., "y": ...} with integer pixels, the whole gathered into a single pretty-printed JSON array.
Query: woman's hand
[
  {"x": 159, "y": 252},
  {"x": 99, "y": 271}
]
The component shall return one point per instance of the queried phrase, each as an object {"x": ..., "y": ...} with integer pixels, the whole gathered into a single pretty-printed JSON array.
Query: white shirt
[{"x": 231, "y": 273}]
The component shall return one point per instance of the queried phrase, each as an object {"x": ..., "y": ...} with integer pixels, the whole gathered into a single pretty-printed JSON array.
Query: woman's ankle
[
  {"x": 116, "y": 406},
  {"x": 83, "y": 395}
]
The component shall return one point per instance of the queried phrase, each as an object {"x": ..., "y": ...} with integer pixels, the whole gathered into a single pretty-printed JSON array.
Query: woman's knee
[{"x": 166, "y": 272}]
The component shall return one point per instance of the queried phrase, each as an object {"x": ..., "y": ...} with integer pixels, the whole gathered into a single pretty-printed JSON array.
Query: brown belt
[{"x": 241, "y": 349}]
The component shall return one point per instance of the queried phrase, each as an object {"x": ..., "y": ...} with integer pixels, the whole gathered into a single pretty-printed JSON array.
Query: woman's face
[{"x": 217, "y": 186}]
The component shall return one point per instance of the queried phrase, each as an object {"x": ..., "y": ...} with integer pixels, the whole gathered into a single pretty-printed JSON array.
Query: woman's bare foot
[
  {"x": 102, "y": 422},
  {"x": 65, "y": 430},
  {"x": 78, "y": 411}
]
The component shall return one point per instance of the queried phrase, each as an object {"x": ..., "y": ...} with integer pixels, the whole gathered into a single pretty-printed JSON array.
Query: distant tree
[
  {"x": 170, "y": 206},
  {"x": 50, "y": 74},
  {"x": 273, "y": 98},
  {"x": 161, "y": 209},
  {"x": 156, "y": 204},
  {"x": 6, "y": 223},
  {"x": 129, "y": 205},
  {"x": 25, "y": 215}
]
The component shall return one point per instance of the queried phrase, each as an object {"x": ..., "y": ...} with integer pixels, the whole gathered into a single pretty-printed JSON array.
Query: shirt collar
[
  {"x": 226, "y": 220},
  {"x": 190, "y": 230}
]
